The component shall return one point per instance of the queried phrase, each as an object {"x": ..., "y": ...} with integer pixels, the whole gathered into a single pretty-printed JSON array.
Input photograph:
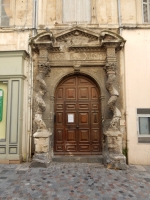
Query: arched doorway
[{"x": 77, "y": 117}]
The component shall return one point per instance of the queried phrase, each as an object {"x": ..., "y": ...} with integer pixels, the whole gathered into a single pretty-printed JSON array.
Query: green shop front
[{"x": 13, "y": 106}]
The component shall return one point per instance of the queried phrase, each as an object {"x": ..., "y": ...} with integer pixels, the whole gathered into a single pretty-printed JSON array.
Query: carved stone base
[
  {"x": 42, "y": 141},
  {"x": 116, "y": 161},
  {"x": 41, "y": 160},
  {"x": 41, "y": 156},
  {"x": 112, "y": 151},
  {"x": 114, "y": 141}
]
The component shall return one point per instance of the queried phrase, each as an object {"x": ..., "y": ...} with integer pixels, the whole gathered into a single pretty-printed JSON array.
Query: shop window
[
  {"x": 3, "y": 109},
  {"x": 146, "y": 11},
  {"x": 4, "y": 12},
  {"x": 76, "y": 11},
  {"x": 143, "y": 125}
]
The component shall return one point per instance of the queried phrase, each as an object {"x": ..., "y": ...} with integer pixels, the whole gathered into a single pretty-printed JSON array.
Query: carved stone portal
[{"x": 75, "y": 48}]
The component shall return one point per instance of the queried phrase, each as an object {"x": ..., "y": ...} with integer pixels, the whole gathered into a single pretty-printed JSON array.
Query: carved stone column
[
  {"x": 113, "y": 137},
  {"x": 42, "y": 156}
]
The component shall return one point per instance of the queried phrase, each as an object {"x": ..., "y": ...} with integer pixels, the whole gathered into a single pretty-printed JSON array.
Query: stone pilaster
[
  {"x": 113, "y": 137},
  {"x": 42, "y": 156}
]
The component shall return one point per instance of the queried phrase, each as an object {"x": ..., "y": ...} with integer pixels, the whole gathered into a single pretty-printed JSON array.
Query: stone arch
[{"x": 99, "y": 84}]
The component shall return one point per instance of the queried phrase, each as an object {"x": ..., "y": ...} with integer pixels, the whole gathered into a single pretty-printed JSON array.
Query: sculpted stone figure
[
  {"x": 44, "y": 68},
  {"x": 112, "y": 152},
  {"x": 111, "y": 75},
  {"x": 40, "y": 123}
]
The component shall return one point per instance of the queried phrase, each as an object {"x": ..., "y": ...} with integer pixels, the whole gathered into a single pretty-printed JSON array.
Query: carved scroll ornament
[
  {"x": 110, "y": 69},
  {"x": 43, "y": 69}
]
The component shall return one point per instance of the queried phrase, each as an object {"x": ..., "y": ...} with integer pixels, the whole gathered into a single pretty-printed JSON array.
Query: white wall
[{"x": 137, "y": 77}]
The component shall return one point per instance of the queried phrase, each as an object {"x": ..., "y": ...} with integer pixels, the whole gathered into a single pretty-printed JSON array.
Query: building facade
[{"x": 74, "y": 80}]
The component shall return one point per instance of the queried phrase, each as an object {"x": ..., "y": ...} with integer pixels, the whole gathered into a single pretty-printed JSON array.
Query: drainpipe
[
  {"x": 119, "y": 16},
  {"x": 35, "y": 17}
]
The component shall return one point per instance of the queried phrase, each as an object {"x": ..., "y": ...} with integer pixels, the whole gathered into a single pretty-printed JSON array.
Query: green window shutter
[{"x": 1, "y": 104}]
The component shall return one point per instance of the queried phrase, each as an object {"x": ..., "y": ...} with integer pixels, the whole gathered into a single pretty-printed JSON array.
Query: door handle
[{"x": 77, "y": 126}]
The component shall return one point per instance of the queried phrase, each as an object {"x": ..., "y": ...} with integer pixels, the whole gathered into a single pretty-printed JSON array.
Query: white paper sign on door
[{"x": 70, "y": 118}]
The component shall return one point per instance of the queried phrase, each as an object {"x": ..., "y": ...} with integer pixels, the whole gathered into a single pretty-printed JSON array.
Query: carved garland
[
  {"x": 110, "y": 69},
  {"x": 43, "y": 69}
]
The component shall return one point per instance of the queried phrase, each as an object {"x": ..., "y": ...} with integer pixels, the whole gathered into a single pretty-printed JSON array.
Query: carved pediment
[
  {"x": 45, "y": 38},
  {"x": 77, "y": 36},
  {"x": 76, "y": 39},
  {"x": 42, "y": 38},
  {"x": 108, "y": 37}
]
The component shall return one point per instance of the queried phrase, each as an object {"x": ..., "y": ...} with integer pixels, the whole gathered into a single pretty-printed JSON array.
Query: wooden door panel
[
  {"x": 60, "y": 148},
  {"x": 70, "y": 94},
  {"x": 59, "y": 135},
  {"x": 94, "y": 106},
  {"x": 71, "y": 148},
  {"x": 95, "y": 135},
  {"x": 84, "y": 135},
  {"x": 83, "y": 106},
  {"x": 59, "y": 118},
  {"x": 59, "y": 106},
  {"x": 60, "y": 94},
  {"x": 95, "y": 118},
  {"x": 83, "y": 118},
  {"x": 71, "y": 136},
  {"x": 84, "y": 148},
  {"x": 69, "y": 82},
  {"x": 83, "y": 93},
  {"x": 70, "y": 106},
  {"x": 94, "y": 94},
  {"x": 83, "y": 81},
  {"x": 96, "y": 148}
]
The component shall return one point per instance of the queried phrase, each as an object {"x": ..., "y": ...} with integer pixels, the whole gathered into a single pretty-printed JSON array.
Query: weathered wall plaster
[{"x": 137, "y": 75}]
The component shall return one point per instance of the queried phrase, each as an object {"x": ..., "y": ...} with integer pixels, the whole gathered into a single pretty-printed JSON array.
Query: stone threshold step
[{"x": 79, "y": 159}]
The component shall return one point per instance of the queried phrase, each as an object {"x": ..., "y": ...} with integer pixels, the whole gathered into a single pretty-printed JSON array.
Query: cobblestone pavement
[{"x": 69, "y": 181}]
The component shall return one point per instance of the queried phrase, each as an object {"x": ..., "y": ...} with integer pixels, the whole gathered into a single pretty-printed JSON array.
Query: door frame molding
[{"x": 101, "y": 98}]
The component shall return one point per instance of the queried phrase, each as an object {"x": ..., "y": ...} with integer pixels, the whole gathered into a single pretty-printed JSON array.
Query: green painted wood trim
[
  {"x": 15, "y": 53},
  {"x": 1, "y": 104},
  {"x": 13, "y": 76}
]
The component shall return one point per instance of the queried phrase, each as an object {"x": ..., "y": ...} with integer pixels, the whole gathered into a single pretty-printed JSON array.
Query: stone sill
[{"x": 7, "y": 161}]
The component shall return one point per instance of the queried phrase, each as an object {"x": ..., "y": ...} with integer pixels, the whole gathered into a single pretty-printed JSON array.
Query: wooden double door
[{"x": 77, "y": 117}]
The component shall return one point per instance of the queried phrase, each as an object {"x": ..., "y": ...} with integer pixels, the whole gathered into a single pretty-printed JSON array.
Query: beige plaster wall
[
  {"x": 128, "y": 11},
  {"x": 14, "y": 40},
  {"x": 21, "y": 13},
  {"x": 106, "y": 12},
  {"x": 137, "y": 73},
  {"x": 50, "y": 13}
]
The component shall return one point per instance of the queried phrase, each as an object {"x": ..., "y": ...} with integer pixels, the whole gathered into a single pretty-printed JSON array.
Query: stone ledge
[{"x": 42, "y": 134}]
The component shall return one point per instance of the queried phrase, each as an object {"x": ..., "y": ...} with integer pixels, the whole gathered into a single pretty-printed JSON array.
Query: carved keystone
[{"x": 77, "y": 68}]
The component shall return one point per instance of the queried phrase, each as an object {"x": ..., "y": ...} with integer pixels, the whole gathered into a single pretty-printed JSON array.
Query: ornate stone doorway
[
  {"x": 76, "y": 51},
  {"x": 77, "y": 117}
]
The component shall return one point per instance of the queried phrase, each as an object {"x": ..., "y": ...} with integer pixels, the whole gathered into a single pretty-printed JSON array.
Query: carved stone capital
[
  {"x": 110, "y": 68},
  {"x": 44, "y": 67},
  {"x": 108, "y": 44}
]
